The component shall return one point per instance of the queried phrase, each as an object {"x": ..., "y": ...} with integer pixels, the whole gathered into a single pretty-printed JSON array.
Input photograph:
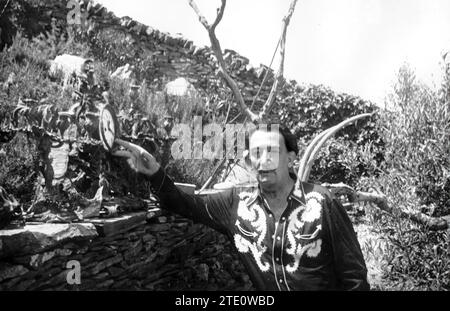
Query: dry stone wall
[{"x": 141, "y": 251}]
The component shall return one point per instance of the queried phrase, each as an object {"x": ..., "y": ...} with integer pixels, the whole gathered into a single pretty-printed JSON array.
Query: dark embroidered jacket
[{"x": 312, "y": 247}]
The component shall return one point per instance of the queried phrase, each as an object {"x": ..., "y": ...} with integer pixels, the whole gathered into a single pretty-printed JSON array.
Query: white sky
[{"x": 353, "y": 46}]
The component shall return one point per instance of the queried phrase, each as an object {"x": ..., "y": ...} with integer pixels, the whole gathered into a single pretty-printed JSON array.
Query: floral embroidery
[
  {"x": 244, "y": 246},
  {"x": 294, "y": 226},
  {"x": 245, "y": 232},
  {"x": 313, "y": 207},
  {"x": 256, "y": 216},
  {"x": 312, "y": 250},
  {"x": 297, "y": 219}
]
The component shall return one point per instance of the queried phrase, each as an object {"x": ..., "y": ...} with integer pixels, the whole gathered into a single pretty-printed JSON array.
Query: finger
[
  {"x": 125, "y": 144},
  {"x": 123, "y": 154},
  {"x": 133, "y": 148},
  {"x": 144, "y": 154}
]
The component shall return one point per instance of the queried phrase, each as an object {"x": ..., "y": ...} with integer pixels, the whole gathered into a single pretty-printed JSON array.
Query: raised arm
[{"x": 211, "y": 210}]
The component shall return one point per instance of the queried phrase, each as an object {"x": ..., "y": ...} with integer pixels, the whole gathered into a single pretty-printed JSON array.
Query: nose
[
  {"x": 265, "y": 156},
  {"x": 266, "y": 160}
]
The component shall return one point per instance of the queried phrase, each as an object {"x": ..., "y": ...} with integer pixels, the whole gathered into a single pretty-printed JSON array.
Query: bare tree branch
[
  {"x": 279, "y": 77},
  {"x": 381, "y": 202},
  {"x": 217, "y": 49},
  {"x": 219, "y": 15},
  {"x": 201, "y": 18}
]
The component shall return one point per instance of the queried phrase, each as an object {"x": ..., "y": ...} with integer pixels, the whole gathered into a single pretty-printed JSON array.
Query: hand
[{"x": 138, "y": 158}]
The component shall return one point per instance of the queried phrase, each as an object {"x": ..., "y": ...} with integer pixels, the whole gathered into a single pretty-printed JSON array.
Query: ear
[{"x": 291, "y": 156}]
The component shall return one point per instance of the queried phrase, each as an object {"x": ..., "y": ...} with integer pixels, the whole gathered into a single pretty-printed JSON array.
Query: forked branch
[
  {"x": 381, "y": 202},
  {"x": 279, "y": 77},
  {"x": 215, "y": 45},
  {"x": 217, "y": 49}
]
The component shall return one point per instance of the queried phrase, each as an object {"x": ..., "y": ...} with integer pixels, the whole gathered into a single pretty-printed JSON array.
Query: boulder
[
  {"x": 179, "y": 87},
  {"x": 68, "y": 65}
]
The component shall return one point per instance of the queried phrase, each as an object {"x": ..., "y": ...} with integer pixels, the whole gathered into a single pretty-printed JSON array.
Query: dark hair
[{"x": 290, "y": 140}]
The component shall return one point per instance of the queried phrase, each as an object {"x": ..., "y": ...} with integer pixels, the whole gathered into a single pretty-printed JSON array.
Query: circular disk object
[{"x": 108, "y": 127}]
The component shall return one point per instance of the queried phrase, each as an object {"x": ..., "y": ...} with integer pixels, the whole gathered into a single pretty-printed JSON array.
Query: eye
[{"x": 255, "y": 153}]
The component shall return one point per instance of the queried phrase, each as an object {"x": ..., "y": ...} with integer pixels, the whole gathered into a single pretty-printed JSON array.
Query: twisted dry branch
[
  {"x": 279, "y": 77},
  {"x": 217, "y": 49},
  {"x": 215, "y": 45},
  {"x": 380, "y": 200}
]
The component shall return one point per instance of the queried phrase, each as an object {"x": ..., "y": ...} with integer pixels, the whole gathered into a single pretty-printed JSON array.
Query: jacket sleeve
[
  {"x": 213, "y": 210},
  {"x": 350, "y": 267}
]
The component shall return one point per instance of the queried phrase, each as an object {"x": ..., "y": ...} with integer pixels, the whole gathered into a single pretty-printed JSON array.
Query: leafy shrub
[
  {"x": 416, "y": 134},
  {"x": 341, "y": 160},
  {"x": 414, "y": 173},
  {"x": 314, "y": 109}
]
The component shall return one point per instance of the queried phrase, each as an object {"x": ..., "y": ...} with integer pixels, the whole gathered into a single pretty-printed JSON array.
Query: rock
[
  {"x": 101, "y": 276},
  {"x": 8, "y": 271},
  {"x": 149, "y": 31},
  {"x": 133, "y": 250},
  {"x": 67, "y": 65},
  {"x": 159, "y": 227},
  {"x": 83, "y": 250},
  {"x": 124, "y": 73},
  {"x": 57, "y": 279},
  {"x": 134, "y": 236},
  {"x": 113, "y": 226},
  {"x": 35, "y": 261},
  {"x": 32, "y": 239},
  {"x": 180, "y": 87},
  {"x": 23, "y": 285},
  {"x": 63, "y": 252},
  {"x": 106, "y": 263},
  {"x": 115, "y": 272},
  {"x": 123, "y": 284},
  {"x": 149, "y": 238},
  {"x": 105, "y": 284}
]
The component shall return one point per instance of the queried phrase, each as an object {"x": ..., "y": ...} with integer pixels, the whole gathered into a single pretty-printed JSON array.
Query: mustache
[{"x": 260, "y": 171}]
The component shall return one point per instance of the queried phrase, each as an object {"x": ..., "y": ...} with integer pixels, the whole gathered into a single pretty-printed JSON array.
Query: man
[{"x": 288, "y": 239}]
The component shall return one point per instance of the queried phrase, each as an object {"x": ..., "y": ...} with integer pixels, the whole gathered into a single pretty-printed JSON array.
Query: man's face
[{"x": 269, "y": 158}]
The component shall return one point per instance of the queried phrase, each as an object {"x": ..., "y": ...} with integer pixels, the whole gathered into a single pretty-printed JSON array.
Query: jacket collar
[{"x": 296, "y": 194}]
